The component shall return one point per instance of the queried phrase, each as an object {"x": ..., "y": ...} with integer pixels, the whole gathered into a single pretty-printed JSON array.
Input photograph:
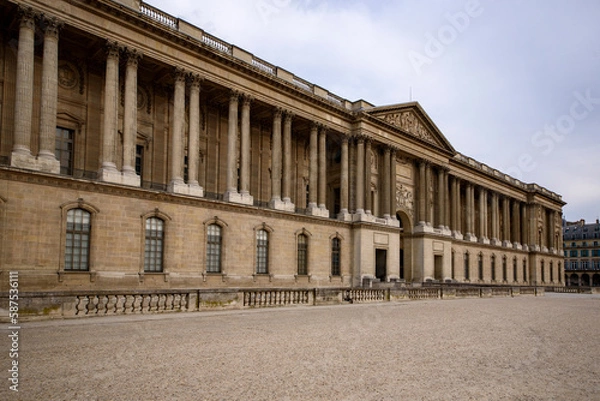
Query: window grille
[
  {"x": 213, "y": 249},
  {"x": 77, "y": 240},
  {"x": 262, "y": 252},
  {"x": 153, "y": 255},
  {"x": 335, "y": 257}
]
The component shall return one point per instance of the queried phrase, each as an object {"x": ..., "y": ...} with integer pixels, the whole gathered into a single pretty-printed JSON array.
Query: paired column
[
  {"x": 281, "y": 162},
  {"x": 470, "y": 213},
  {"x": 393, "y": 203},
  {"x": 524, "y": 226},
  {"x": 21, "y": 152},
  {"x": 515, "y": 224},
  {"x": 318, "y": 171},
  {"x": 360, "y": 175},
  {"x": 455, "y": 196},
  {"x": 46, "y": 157},
  {"x": 422, "y": 193},
  {"x": 495, "y": 220},
  {"x": 441, "y": 196},
  {"x": 176, "y": 148},
  {"x": 232, "y": 194},
  {"x": 367, "y": 177}
]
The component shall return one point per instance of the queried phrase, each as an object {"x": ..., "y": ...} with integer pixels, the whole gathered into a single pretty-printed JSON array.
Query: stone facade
[
  {"x": 140, "y": 152},
  {"x": 582, "y": 253}
]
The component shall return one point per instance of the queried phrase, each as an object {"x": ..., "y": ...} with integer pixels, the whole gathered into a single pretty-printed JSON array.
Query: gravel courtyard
[{"x": 523, "y": 348}]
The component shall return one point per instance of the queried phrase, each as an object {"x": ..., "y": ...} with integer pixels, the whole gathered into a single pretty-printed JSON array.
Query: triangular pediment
[{"x": 412, "y": 119}]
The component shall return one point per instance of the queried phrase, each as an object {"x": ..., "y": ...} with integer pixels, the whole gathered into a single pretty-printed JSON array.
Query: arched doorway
[
  {"x": 585, "y": 280},
  {"x": 574, "y": 280},
  {"x": 596, "y": 280}
]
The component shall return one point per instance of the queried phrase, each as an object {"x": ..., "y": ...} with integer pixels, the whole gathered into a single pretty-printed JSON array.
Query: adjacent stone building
[
  {"x": 582, "y": 253},
  {"x": 139, "y": 152}
]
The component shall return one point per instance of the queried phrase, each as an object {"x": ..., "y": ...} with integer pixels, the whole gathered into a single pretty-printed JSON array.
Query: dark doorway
[
  {"x": 401, "y": 264},
  {"x": 438, "y": 262},
  {"x": 380, "y": 263}
]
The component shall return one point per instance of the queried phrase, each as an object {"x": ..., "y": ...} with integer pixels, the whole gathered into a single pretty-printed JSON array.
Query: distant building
[
  {"x": 139, "y": 153},
  {"x": 582, "y": 253}
]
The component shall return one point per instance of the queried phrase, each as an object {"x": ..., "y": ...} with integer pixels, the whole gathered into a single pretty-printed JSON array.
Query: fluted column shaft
[
  {"x": 344, "y": 177},
  {"x": 393, "y": 204},
  {"x": 516, "y": 221},
  {"x": 276, "y": 157},
  {"x": 322, "y": 168},
  {"x": 245, "y": 147},
  {"x": 360, "y": 174},
  {"x": 495, "y": 218},
  {"x": 111, "y": 84},
  {"x": 524, "y": 224},
  {"x": 385, "y": 193},
  {"x": 367, "y": 177},
  {"x": 314, "y": 167},
  {"x": 176, "y": 155},
  {"x": 483, "y": 231},
  {"x": 287, "y": 158},
  {"x": 232, "y": 142},
  {"x": 470, "y": 209},
  {"x": 422, "y": 193},
  {"x": 455, "y": 200},
  {"x": 49, "y": 90},
  {"x": 506, "y": 218},
  {"x": 441, "y": 197},
  {"x": 194, "y": 134},
  {"x": 24, "y": 83},
  {"x": 130, "y": 112},
  {"x": 429, "y": 194}
]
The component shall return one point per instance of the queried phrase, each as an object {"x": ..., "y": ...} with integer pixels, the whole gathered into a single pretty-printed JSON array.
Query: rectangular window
[
  {"x": 153, "y": 253},
  {"x": 467, "y": 272},
  {"x": 77, "y": 240},
  {"x": 573, "y": 254},
  {"x": 213, "y": 249},
  {"x": 335, "y": 257},
  {"x": 302, "y": 255},
  {"x": 63, "y": 150},
  {"x": 262, "y": 252}
]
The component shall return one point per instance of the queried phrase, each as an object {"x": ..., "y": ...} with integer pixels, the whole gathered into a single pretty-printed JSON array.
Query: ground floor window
[
  {"x": 302, "y": 255},
  {"x": 77, "y": 241},
  {"x": 262, "y": 252},
  {"x": 335, "y": 257},
  {"x": 213, "y": 249},
  {"x": 154, "y": 239}
]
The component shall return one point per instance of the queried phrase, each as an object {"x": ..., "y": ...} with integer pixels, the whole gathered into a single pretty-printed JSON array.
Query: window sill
[
  {"x": 142, "y": 275},
  {"x": 64, "y": 273}
]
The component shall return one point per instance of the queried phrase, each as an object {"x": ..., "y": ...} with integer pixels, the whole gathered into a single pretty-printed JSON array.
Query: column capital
[
  {"x": 289, "y": 115},
  {"x": 51, "y": 26},
  {"x": 234, "y": 95},
  {"x": 246, "y": 100},
  {"x": 112, "y": 49},
  {"x": 179, "y": 74},
  {"x": 132, "y": 55},
  {"x": 195, "y": 80},
  {"x": 27, "y": 16},
  {"x": 277, "y": 112},
  {"x": 315, "y": 126}
]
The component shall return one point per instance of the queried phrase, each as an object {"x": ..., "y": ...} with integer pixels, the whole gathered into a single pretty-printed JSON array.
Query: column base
[
  {"x": 518, "y": 246},
  {"x": 495, "y": 242},
  {"x": 457, "y": 235},
  {"x": 507, "y": 244},
  {"x": 317, "y": 211},
  {"x": 424, "y": 227},
  {"x": 236, "y": 197},
  {"x": 284, "y": 205},
  {"x": 392, "y": 222},
  {"x": 24, "y": 159},
  {"x": 114, "y": 176},
  {"x": 360, "y": 215},
  {"x": 471, "y": 237},
  {"x": 343, "y": 215},
  {"x": 186, "y": 189},
  {"x": 484, "y": 240},
  {"x": 445, "y": 230}
]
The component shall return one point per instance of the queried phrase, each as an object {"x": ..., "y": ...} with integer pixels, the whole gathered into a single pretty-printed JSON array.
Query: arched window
[
  {"x": 493, "y": 267},
  {"x": 154, "y": 242},
  {"x": 504, "y": 270},
  {"x": 302, "y": 255},
  {"x": 515, "y": 268},
  {"x": 551, "y": 272},
  {"x": 335, "y": 257},
  {"x": 77, "y": 241},
  {"x": 480, "y": 266},
  {"x": 213, "y": 248},
  {"x": 467, "y": 273},
  {"x": 262, "y": 252},
  {"x": 543, "y": 272},
  {"x": 525, "y": 270},
  {"x": 452, "y": 265}
]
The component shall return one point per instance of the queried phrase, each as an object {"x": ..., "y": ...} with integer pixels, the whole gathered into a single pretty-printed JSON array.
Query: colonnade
[{"x": 474, "y": 213}]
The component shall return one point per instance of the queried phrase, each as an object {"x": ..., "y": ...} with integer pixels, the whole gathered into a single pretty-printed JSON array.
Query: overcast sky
[{"x": 513, "y": 84}]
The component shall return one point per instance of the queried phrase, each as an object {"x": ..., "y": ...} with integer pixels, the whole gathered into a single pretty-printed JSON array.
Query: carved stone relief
[{"x": 409, "y": 122}]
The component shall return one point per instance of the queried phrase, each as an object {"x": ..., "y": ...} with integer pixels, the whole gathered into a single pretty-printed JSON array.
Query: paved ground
[{"x": 525, "y": 348}]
